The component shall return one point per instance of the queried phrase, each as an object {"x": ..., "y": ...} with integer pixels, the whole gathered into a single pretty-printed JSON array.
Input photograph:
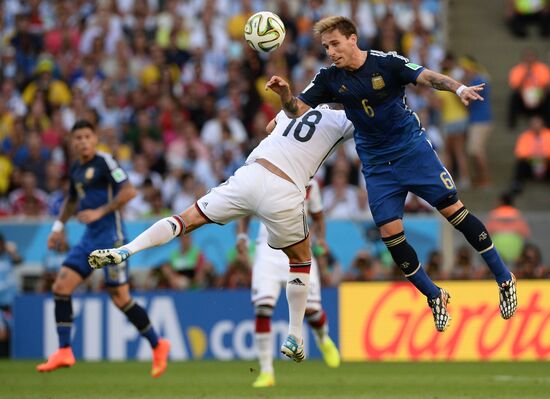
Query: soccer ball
[{"x": 264, "y": 31}]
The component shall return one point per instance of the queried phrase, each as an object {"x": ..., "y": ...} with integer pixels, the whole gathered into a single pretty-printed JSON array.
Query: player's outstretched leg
[
  {"x": 405, "y": 257},
  {"x": 317, "y": 319},
  {"x": 159, "y": 233},
  {"x": 477, "y": 235},
  {"x": 264, "y": 345}
]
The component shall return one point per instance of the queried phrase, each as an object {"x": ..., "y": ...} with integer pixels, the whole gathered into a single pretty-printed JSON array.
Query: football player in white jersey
[
  {"x": 272, "y": 186},
  {"x": 270, "y": 274}
]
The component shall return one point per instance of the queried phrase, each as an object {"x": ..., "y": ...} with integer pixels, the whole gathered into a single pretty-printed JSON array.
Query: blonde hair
[{"x": 344, "y": 25}]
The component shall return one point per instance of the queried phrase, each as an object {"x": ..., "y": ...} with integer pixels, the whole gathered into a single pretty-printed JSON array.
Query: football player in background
[
  {"x": 272, "y": 186},
  {"x": 395, "y": 154},
  {"x": 270, "y": 273},
  {"x": 99, "y": 188}
]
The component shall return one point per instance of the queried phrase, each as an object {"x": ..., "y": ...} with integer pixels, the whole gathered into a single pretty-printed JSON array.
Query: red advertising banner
[{"x": 392, "y": 321}]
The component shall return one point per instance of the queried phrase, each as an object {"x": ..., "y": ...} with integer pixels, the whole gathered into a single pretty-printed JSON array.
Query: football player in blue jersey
[
  {"x": 395, "y": 154},
  {"x": 99, "y": 188}
]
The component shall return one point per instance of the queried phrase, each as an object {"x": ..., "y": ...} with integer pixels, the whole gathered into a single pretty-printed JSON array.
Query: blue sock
[
  {"x": 138, "y": 317},
  {"x": 63, "y": 319},
  {"x": 151, "y": 336},
  {"x": 424, "y": 283},
  {"x": 497, "y": 266}
]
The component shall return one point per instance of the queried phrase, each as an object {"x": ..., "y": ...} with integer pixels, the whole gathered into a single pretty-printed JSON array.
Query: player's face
[
  {"x": 339, "y": 47},
  {"x": 84, "y": 141}
]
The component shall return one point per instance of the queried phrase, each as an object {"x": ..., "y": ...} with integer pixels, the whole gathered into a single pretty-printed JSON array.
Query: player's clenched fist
[{"x": 278, "y": 85}]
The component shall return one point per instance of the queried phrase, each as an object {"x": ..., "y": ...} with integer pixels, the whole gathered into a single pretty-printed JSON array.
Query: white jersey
[{"x": 299, "y": 146}]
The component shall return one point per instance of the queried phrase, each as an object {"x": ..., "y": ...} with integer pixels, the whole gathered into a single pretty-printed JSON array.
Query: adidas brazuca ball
[{"x": 264, "y": 31}]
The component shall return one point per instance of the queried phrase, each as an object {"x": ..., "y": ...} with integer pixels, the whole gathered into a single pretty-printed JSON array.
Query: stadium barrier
[
  {"x": 345, "y": 238},
  {"x": 391, "y": 321},
  {"x": 370, "y": 321},
  {"x": 208, "y": 324}
]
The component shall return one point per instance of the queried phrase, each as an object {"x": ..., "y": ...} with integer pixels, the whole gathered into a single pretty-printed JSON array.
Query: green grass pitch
[{"x": 213, "y": 379}]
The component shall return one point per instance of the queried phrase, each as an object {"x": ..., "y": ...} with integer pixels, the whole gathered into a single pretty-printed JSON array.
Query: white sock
[
  {"x": 159, "y": 233},
  {"x": 264, "y": 346},
  {"x": 297, "y": 288}
]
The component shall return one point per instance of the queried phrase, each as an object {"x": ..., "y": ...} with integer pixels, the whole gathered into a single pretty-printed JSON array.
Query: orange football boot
[
  {"x": 160, "y": 357},
  {"x": 62, "y": 358}
]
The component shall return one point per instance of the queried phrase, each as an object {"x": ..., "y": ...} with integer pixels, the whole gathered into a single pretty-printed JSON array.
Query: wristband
[
  {"x": 57, "y": 226},
  {"x": 243, "y": 236},
  {"x": 460, "y": 90}
]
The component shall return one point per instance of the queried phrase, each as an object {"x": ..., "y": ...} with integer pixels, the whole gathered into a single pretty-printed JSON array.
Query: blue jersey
[
  {"x": 94, "y": 184},
  {"x": 374, "y": 100}
]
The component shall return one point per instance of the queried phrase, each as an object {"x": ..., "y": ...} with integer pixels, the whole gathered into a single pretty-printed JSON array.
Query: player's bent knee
[
  {"x": 193, "y": 219},
  {"x": 447, "y": 202}
]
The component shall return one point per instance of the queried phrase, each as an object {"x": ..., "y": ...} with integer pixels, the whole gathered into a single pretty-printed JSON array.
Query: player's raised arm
[
  {"x": 293, "y": 107},
  {"x": 443, "y": 82}
]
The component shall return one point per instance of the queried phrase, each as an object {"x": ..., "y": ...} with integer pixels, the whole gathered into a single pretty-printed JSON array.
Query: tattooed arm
[
  {"x": 293, "y": 107},
  {"x": 445, "y": 83}
]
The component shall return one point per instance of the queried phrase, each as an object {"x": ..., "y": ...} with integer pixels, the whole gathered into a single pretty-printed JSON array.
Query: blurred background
[{"x": 178, "y": 98}]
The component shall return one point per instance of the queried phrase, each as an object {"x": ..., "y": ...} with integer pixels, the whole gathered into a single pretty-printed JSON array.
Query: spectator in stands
[
  {"x": 9, "y": 258},
  {"x": 56, "y": 91},
  {"x": 156, "y": 206},
  {"x": 28, "y": 201},
  {"x": 530, "y": 83},
  {"x": 532, "y": 153},
  {"x": 434, "y": 265},
  {"x": 187, "y": 268},
  {"x": 530, "y": 264},
  {"x": 480, "y": 121},
  {"x": 213, "y": 130},
  {"x": 237, "y": 275},
  {"x": 464, "y": 267},
  {"x": 508, "y": 229},
  {"x": 520, "y": 13},
  {"x": 363, "y": 268}
]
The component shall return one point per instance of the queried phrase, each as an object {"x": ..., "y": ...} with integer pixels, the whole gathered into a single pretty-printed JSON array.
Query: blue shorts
[
  {"x": 77, "y": 260},
  {"x": 420, "y": 172}
]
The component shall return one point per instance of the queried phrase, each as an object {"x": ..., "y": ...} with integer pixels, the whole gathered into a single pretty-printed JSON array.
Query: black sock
[
  {"x": 138, "y": 317},
  {"x": 405, "y": 257},
  {"x": 477, "y": 235},
  {"x": 63, "y": 319}
]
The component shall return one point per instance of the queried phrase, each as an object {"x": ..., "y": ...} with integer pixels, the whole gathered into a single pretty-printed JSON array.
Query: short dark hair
[
  {"x": 344, "y": 25},
  {"x": 82, "y": 124}
]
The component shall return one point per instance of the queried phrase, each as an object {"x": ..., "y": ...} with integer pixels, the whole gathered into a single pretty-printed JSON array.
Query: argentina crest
[
  {"x": 378, "y": 82},
  {"x": 89, "y": 174}
]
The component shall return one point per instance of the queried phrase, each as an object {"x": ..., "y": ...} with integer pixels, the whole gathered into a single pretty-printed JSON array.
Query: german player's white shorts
[
  {"x": 270, "y": 274},
  {"x": 253, "y": 190}
]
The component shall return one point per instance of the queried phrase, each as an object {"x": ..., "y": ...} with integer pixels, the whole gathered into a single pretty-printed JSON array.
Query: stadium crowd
[{"x": 178, "y": 97}]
